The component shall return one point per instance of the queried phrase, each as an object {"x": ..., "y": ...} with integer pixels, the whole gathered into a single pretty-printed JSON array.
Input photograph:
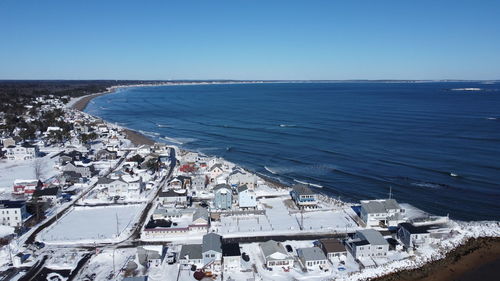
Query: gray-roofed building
[
  {"x": 151, "y": 255},
  {"x": 246, "y": 197},
  {"x": 200, "y": 216},
  {"x": 368, "y": 243},
  {"x": 304, "y": 196},
  {"x": 190, "y": 254},
  {"x": 413, "y": 236},
  {"x": 171, "y": 196},
  {"x": 312, "y": 257},
  {"x": 211, "y": 249},
  {"x": 275, "y": 255},
  {"x": 135, "y": 278},
  {"x": 381, "y": 212}
]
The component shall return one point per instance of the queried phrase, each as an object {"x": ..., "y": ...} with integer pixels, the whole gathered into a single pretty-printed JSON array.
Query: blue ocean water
[{"x": 439, "y": 149}]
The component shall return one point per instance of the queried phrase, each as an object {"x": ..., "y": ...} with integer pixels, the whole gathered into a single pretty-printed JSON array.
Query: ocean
[{"x": 434, "y": 145}]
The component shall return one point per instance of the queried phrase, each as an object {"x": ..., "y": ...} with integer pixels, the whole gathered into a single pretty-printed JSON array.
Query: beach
[
  {"x": 477, "y": 259},
  {"x": 135, "y": 137}
]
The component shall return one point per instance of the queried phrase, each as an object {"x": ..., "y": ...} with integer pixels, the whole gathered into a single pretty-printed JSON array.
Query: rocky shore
[{"x": 477, "y": 259}]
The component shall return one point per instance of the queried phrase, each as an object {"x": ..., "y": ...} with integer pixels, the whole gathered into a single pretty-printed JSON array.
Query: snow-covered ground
[
  {"x": 25, "y": 170},
  {"x": 107, "y": 263},
  {"x": 93, "y": 224}
]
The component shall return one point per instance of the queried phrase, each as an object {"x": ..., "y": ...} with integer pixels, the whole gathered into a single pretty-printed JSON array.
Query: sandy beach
[{"x": 478, "y": 259}]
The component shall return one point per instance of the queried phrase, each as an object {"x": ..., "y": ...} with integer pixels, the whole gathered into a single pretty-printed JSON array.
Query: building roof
[
  {"x": 7, "y": 204},
  {"x": 332, "y": 245},
  {"x": 231, "y": 250},
  {"x": 273, "y": 250},
  {"x": 311, "y": 254},
  {"x": 51, "y": 191},
  {"x": 379, "y": 206},
  {"x": 414, "y": 229},
  {"x": 219, "y": 186},
  {"x": 173, "y": 193},
  {"x": 212, "y": 242},
  {"x": 218, "y": 165},
  {"x": 372, "y": 236},
  {"x": 191, "y": 250},
  {"x": 200, "y": 213},
  {"x": 242, "y": 188},
  {"x": 135, "y": 278},
  {"x": 302, "y": 189},
  {"x": 104, "y": 180}
]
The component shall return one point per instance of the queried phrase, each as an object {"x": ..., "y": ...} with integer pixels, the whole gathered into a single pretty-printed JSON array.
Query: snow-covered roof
[
  {"x": 273, "y": 250},
  {"x": 311, "y": 254},
  {"x": 379, "y": 206},
  {"x": 212, "y": 242},
  {"x": 372, "y": 236}
]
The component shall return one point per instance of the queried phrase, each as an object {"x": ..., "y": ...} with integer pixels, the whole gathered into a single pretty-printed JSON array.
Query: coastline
[
  {"x": 464, "y": 262},
  {"x": 476, "y": 259}
]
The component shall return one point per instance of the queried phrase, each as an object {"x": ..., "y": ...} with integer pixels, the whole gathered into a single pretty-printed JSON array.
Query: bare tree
[{"x": 38, "y": 168}]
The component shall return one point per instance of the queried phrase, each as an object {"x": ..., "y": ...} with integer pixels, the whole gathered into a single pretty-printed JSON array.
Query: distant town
[{"x": 84, "y": 199}]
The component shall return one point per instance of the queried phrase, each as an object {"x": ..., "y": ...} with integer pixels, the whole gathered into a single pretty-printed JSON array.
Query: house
[
  {"x": 368, "y": 243},
  {"x": 200, "y": 217},
  {"x": 381, "y": 212},
  {"x": 151, "y": 255},
  {"x": 161, "y": 148},
  {"x": 171, "y": 196},
  {"x": 105, "y": 154},
  {"x": 27, "y": 187},
  {"x": 189, "y": 157},
  {"x": 144, "y": 149},
  {"x": 73, "y": 155},
  {"x": 413, "y": 236},
  {"x": 246, "y": 197},
  {"x": 312, "y": 257},
  {"x": 191, "y": 254},
  {"x": 49, "y": 194},
  {"x": 304, "y": 196},
  {"x": 21, "y": 152},
  {"x": 275, "y": 255},
  {"x": 223, "y": 197},
  {"x": 238, "y": 177},
  {"x": 215, "y": 171},
  {"x": 231, "y": 256},
  {"x": 70, "y": 177},
  {"x": 112, "y": 187},
  {"x": 8, "y": 142},
  {"x": 211, "y": 250},
  {"x": 198, "y": 182},
  {"x": 13, "y": 213},
  {"x": 85, "y": 171},
  {"x": 332, "y": 248}
]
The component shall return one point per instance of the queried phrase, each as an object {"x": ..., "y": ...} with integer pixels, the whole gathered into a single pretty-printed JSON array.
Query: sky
[{"x": 243, "y": 39}]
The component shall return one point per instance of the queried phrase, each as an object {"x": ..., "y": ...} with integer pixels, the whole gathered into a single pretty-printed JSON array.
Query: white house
[
  {"x": 119, "y": 187},
  {"x": 177, "y": 197},
  {"x": 215, "y": 171},
  {"x": 381, "y": 212},
  {"x": 13, "y": 213},
  {"x": 21, "y": 152},
  {"x": 151, "y": 255},
  {"x": 304, "y": 196},
  {"x": 413, "y": 236},
  {"x": 275, "y": 255},
  {"x": 312, "y": 257},
  {"x": 368, "y": 243},
  {"x": 231, "y": 256},
  {"x": 246, "y": 197},
  {"x": 198, "y": 182},
  {"x": 238, "y": 177}
]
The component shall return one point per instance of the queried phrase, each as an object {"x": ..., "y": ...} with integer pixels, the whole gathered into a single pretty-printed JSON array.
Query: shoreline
[
  {"x": 462, "y": 263},
  {"x": 476, "y": 259}
]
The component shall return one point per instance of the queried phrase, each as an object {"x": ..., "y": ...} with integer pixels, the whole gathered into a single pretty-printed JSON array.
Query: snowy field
[
  {"x": 280, "y": 219},
  {"x": 101, "y": 265},
  {"x": 25, "y": 170},
  {"x": 89, "y": 224}
]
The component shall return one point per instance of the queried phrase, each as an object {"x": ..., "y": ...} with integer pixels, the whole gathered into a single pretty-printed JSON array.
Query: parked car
[{"x": 170, "y": 258}]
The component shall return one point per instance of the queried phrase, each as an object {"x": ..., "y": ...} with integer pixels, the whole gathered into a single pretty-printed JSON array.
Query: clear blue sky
[{"x": 242, "y": 39}]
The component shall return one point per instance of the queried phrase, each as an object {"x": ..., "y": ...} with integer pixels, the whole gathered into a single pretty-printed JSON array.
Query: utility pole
[{"x": 117, "y": 227}]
